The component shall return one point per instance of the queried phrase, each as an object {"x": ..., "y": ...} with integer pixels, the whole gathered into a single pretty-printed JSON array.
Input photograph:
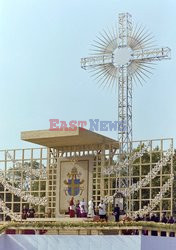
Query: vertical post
[
  {"x": 21, "y": 181},
  {"x": 125, "y": 28},
  {"x": 140, "y": 231},
  {"x": 124, "y": 89},
  {"x": 102, "y": 167},
  {"x": 125, "y": 121},
  {"x": 161, "y": 177},
  {"x": 149, "y": 232},
  {"x": 47, "y": 179},
  {"x": 170, "y": 176},
  {"x": 120, "y": 231},
  {"x": 58, "y": 173},
  {"x": 167, "y": 233}
]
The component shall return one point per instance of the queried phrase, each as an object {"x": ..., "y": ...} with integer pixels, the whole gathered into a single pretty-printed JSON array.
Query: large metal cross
[{"x": 121, "y": 58}]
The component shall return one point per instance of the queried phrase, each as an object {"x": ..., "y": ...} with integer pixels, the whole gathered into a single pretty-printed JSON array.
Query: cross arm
[
  {"x": 94, "y": 61},
  {"x": 152, "y": 54}
]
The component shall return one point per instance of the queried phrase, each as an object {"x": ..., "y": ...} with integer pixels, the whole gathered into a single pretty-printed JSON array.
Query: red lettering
[
  {"x": 53, "y": 123},
  {"x": 63, "y": 126},
  {"x": 73, "y": 126}
]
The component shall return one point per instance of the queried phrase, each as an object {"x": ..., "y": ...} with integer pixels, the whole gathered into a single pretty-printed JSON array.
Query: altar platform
[{"x": 63, "y": 242}]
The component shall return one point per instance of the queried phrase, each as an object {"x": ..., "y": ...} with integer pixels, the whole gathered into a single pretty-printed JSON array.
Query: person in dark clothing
[
  {"x": 138, "y": 218},
  {"x": 171, "y": 221},
  {"x": 116, "y": 213},
  {"x": 78, "y": 209},
  {"x": 24, "y": 212},
  {"x": 153, "y": 219},
  {"x": 164, "y": 220},
  {"x": 31, "y": 213},
  {"x": 157, "y": 218},
  {"x": 147, "y": 218},
  {"x": 7, "y": 218}
]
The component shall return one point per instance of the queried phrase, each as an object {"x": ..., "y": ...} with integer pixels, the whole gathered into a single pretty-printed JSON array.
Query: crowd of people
[
  {"x": 79, "y": 209},
  {"x": 156, "y": 218},
  {"x": 99, "y": 214}
]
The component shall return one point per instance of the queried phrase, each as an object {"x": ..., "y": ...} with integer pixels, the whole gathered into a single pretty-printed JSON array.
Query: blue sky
[{"x": 41, "y": 43}]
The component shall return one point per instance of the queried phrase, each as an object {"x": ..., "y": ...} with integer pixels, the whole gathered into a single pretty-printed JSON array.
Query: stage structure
[
  {"x": 46, "y": 178},
  {"x": 72, "y": 164},
  {"x": 120, "y": 58}
]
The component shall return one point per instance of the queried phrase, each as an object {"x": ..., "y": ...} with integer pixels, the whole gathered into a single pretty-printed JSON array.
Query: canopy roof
[{"x": 56, "y": 139}]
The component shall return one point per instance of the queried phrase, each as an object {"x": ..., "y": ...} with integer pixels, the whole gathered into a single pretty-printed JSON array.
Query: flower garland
[
  {"x": 119, "y": 166},
  {"x": 18, "y": 192},
  {"x": 156, "y": 200},
  {"x": 9, "y": 212},
  {"x": 151, "y": 175},
  {"x": 145, "y": 181}
]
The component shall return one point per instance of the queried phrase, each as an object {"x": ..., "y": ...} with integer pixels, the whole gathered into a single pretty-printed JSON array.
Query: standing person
[
  {"x": 83, "y": 203},
  {"x": 152, "y": 218},
  {"x": 72, "y": 208},
  {"x": 83, "y": 208},
  {"x": 78, "y": 209},
  {"x": 164, "y": 218},
  {"x": 138, "y": 218},
  {"x": 102, "y": 210},
  {"x": 171, "y": 221},
  {"x": 157, "y": 218},
  {"x": 24, "y": 212},
  {"x": 147, "y": 217},
  {"x": 31, "y": 213},
  {"x": 91, "y": 213},
  {"x": 117, "y": 212}
]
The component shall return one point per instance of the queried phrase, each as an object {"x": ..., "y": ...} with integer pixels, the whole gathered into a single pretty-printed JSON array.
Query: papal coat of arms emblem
[{"x": 74, "y": 183}]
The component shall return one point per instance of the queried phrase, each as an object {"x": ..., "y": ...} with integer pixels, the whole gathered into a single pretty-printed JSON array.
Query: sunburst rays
[
  {"x": 106, "y": 43},
  {"x": 140, "y": 39}
]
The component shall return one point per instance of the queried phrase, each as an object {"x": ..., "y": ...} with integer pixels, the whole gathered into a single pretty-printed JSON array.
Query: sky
[{"x": 41, "y": 43}]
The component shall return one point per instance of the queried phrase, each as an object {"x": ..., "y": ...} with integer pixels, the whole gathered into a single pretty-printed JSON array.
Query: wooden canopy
[{"x": 56, "y": 139}]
